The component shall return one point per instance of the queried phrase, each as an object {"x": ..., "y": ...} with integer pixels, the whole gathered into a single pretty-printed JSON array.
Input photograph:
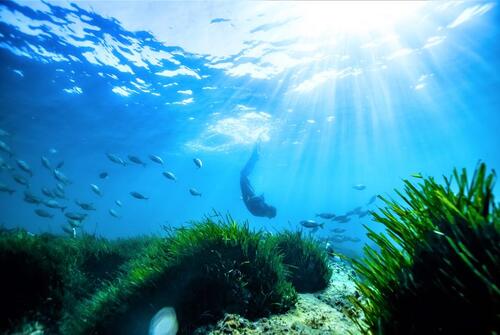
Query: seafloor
[{"x": 323, "y": 312}]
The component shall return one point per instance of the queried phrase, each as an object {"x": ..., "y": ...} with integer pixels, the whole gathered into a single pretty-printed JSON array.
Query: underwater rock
[
  {"x": 202, "y": 271},
  {"x": 326, "y": 312},
  {"x": 306, "y": 259}
]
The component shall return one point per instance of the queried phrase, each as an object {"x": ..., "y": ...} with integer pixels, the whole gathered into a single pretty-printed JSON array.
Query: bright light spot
[
  {"x": 329, "y": 18},
  {"x": 227, "y": 133}
]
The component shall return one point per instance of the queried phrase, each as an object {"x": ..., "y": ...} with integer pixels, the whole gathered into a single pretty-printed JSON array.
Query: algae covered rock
[
  {"x": 43, "y": 276},
  {"x": 307, "y": 262},
  {"x": 439, "y": 269},
  {"x": 203, "y": 271}
]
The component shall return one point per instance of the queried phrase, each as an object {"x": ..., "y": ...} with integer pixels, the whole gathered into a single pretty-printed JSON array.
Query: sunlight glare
[{"x": 329, "y": 18}]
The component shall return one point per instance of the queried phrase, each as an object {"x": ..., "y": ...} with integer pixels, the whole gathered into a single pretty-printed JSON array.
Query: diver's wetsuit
[{"x": 255, "y": 204}]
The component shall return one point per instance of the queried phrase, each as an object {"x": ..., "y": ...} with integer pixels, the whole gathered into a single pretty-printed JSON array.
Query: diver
[{"x": 255, "y": 204}]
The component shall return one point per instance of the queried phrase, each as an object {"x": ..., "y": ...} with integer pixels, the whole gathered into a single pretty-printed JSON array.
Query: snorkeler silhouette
[{"x": 255, "y": 204}]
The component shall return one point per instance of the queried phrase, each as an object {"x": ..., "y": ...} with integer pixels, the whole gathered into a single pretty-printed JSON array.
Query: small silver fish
[
  {"x": 198, "y": 162},
  {"x": 156, "y": 159},
  {"x": 137, "y": 195},
  {"x": 47, "y": 192},
  {"x": 85, "y": 205},
  {"x": 31, "y": 198},
  {"x": 61, "y": 177},
  {"x": 71, "y": 231},
  {"x": 113, "y": 213},
  {"x": 136, "y": 160},
  {"x": 58, "y": 193},
  {"x": 359, "y": 187},
  {"x": 194, "y": 192},
  {"x": 75, "y": 216},
  {"x": 43, "y": 213},
  {"x": 311, "y": 224},
  {"x": 74, "y": 223},
  {"x": 5, "y": 148},
  {"x": 46, "y": 162},
  {"x": 118, "y": 203},
  {"x": 54, "y": 204},
  {"x": 169, "y": 175},
  {"x": 372, "y": 200},
  {"x": 115, "y": 159},
  {"x": 20, "y": 180},
  {"x": 6, "y": 189},
  {"x": 96, "y": 189},
  {"x": 24, "y": 167},
  {"x": 326, "y": 216}
]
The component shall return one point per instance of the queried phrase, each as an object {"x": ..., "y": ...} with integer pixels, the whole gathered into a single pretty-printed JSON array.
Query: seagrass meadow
[{"x": 438, "y": 267}]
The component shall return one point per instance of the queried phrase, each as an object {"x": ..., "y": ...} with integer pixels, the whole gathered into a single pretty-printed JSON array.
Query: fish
[
  {"x": 53, "y": 151},
  {"x": 5, "y": 148},
  {"x": 46, "y": 163},
  {"x": 118, "y": 203},
  {"x": 311, "y": 224},
  {"x": 341, "y": 218},
  {"x": 96, "y": 189},
  {"x": 58, "y": 193},
  {"x": 54, "y": 204},
  {"x": 338, "y": 230},
  {"x": 6, "y": 189},
  {"x": 4, "y": 133},
  {"x": 103, "y": 175},
  {"x": 47, "y": 192},
  {"x": 43, "y": 213},
  {"x": 353, "y": 239},
  {"x": 75, "y": 216},
  {"x": 4, "y": 165},
  {"x": 326, "y": 216},
  {"x": 60, "y": 187},
  {"x": 69, "y": 230},
  {"x": 363, "y": 214},
  {"x": 60, "y": 165},
  {"x": 61, "y": 177},
  {"x": 372, "y": 200},
  {"x": 85, "y": 205},
  {"x": 113, "y": 213},
  {"x": 24, "y": 167},
  {"x": 137, "y": 195},
  {"x": 74, "y": 223},
  {"x": 194, "y": 192},
  {"x": 354, "y": 211},
  {"x": 20, "y": 180},
  {"x": 198, "y": 162},
  {"x": 136, "y": 160},
  {"x": 156, "y": 159},
  {"x": 359, "y": 187},
  {"x": 164, "y": 322},
  {"x": 31, "y": 198},
  {"x": 169, "y": 175},
  {"x": 115, "y": 159}
]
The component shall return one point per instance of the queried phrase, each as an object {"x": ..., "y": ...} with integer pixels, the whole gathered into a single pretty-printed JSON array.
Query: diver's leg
[
  {"x": 248, "y": 168},
  {"x": 247, "y": 191}
]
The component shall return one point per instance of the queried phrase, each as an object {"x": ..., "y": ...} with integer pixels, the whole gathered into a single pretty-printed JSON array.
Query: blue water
[{"x": 369, "y": 107}]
